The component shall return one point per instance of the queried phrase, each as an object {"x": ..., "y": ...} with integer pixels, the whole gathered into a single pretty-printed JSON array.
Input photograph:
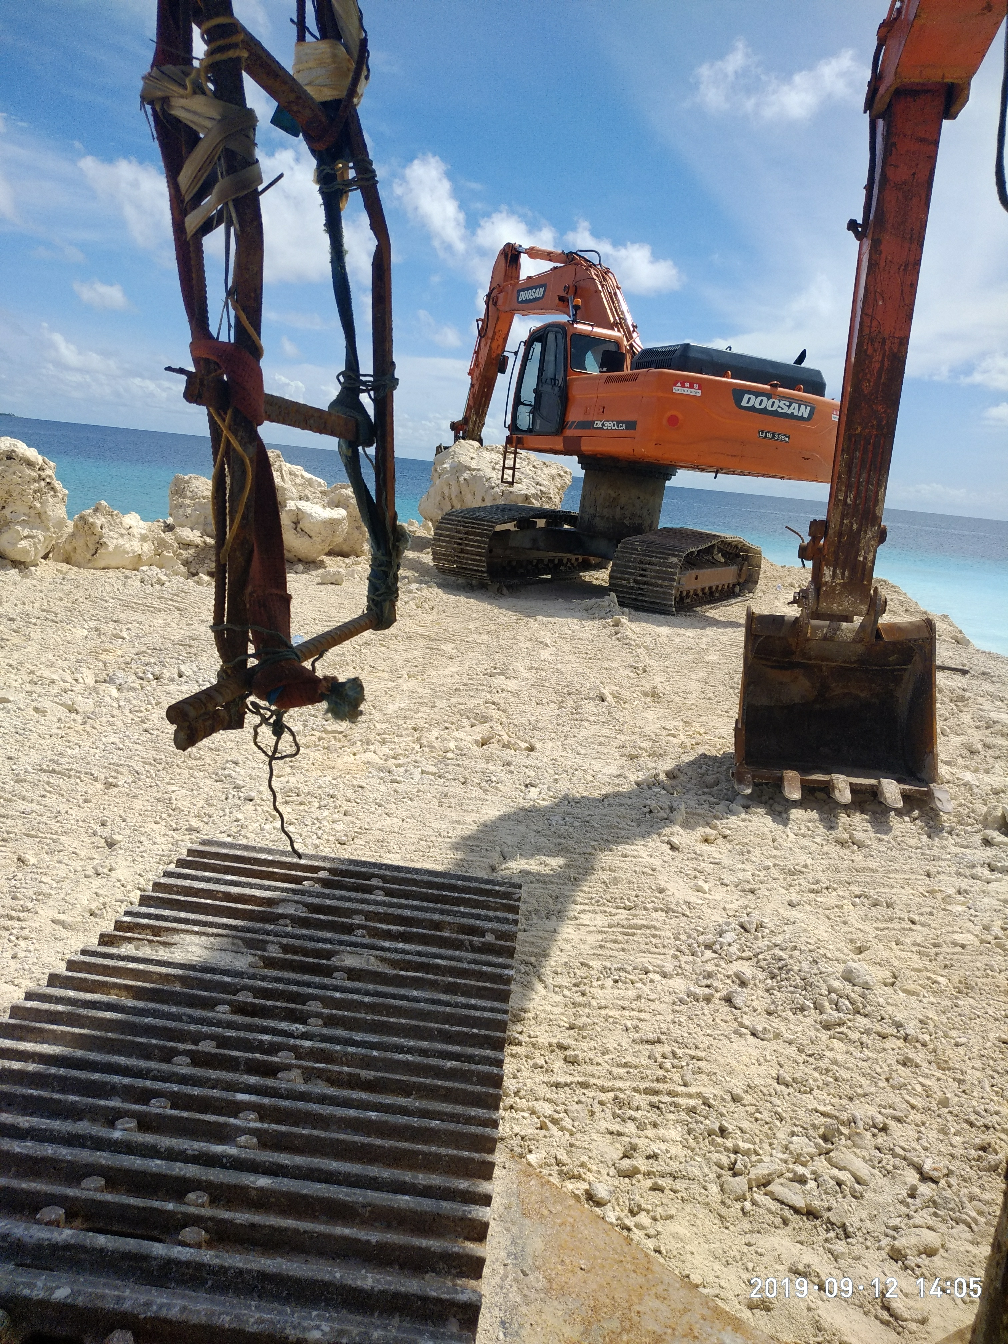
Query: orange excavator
[
  {"x": 834, "y": 697},
  {"x": 585, "y": 387}
]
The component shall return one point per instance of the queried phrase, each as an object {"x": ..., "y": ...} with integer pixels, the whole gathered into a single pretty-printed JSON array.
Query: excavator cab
[{"x": 540, "y": 400}]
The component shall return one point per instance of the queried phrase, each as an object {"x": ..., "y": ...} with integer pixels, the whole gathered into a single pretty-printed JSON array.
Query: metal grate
[{"x": 264, "y": 1108}]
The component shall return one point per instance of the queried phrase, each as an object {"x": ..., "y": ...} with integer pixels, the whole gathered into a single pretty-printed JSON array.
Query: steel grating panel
[{"x": 263, "y": 1108}]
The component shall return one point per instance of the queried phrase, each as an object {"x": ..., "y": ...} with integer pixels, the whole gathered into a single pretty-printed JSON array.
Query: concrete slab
[{"x": 556, "y": 1273}]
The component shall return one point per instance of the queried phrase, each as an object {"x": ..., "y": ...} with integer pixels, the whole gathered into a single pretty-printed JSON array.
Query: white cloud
[
  {"x": 7, "y": 210},
  {"x": 992, "y": 372},
  {"x": 300, "y": 321},
  {"x": 98, "y": 295},
  {"x": 429, "y": 199},
  {"x": 428, "y": 196},
  {"x": 289, "y": 348},
  {"x": 137, "y": 191},
  {"x": 288, "y": 387},
  {"x": 997, "y": 415},
  {"x": 636, "y": 268},
  {"x": 446, "y": 336},
  {"x": 738, "y": 82}
]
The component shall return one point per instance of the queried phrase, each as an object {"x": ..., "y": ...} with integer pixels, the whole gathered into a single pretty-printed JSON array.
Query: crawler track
[
  {"x": 472, "y": 543},
  {"x": 679, "y": 567},
  {"x": 263, "y": 1109}
]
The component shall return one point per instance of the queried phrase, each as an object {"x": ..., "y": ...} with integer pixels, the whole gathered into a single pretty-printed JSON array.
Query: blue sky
[{"x": 713, "y": 153}]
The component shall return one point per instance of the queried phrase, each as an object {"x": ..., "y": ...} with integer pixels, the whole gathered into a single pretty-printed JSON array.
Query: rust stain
[{"x": 535, "y": 1290}]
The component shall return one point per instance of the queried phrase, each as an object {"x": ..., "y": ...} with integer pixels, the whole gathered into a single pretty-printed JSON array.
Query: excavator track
[
  {"x": 472, "y": 543},
  {"x": 678, "y": 567},
  {"x": 264, "y": 1108}
]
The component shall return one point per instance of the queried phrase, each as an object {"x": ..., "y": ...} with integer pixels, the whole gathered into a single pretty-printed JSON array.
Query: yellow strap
[
  {"x": 225, "y": 428},
  {"x": 246, "y": 323}
]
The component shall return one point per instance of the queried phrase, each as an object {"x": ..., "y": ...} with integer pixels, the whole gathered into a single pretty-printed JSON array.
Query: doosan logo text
[
  {"x": 532, "y": 294},
  {"x": 770, "y": 404}
]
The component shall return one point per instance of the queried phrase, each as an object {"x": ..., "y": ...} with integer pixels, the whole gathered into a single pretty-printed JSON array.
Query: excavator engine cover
[
  {"x": 837, "y": 710},
  {"x": 703, "y": 359}
]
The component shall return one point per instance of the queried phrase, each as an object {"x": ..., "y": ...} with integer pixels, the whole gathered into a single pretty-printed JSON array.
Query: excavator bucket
[{"x": 826, "y": 707}]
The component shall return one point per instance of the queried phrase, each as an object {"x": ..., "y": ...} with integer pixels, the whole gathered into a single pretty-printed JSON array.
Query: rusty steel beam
[
  {"x": 885, "y": 291},
  {"x": 296, "y": 415}
]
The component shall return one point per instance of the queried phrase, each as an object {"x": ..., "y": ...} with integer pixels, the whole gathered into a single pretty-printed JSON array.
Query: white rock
[
  {"x": 995, "y": 817},
  {"x": 355, "y": 539},
  {"x": 294, "y": 483},
  {"x": 32, "y": 503},
  {"x": 103, "y": 538},
  {"x": 310, "y": 530},
  {"x": 598, "y": 1193},
  {"x": 914, "y": 1243},
  {"x": 844, "y": 1161},
  {"x": 189, "y": 504},
  {"x": 735, "y": 1187},
  {"x": 788, "y": 1194},
  {"x": 856, "y": 974},
  {"x": 467, "y": 475}
]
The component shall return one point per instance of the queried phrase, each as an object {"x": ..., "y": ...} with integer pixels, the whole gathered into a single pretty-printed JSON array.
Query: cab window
[
  {"x": 586, "y": 352},
  {"x": 541, "y": 398}
]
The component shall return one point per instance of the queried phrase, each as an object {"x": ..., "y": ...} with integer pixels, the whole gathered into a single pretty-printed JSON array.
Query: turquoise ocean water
[{"x": 948, "y": 564}]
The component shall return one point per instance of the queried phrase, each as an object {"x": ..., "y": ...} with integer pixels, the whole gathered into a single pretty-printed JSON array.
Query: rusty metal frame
[{"x": 320, "y": 126}]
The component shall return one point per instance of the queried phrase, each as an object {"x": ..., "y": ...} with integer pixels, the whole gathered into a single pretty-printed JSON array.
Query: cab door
[{"x": 541, "y": 396}]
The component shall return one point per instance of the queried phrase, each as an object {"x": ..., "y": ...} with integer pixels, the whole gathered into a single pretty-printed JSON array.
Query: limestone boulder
[
  {"x": 103, "y": 538},
  {"x": 310, "y": 530},
  {"x": 467, "y": 475},
  {"x": 293, "y": 483},
  {"x": 32, "y": 503},
  {"x": 189, "y": 504},
  {"x": 355, "y": 539}
]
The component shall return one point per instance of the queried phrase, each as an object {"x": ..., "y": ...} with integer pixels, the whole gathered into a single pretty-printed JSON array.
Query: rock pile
[
  {"x": 32, "y": 504},
  {"x": 467, "y": 475}
]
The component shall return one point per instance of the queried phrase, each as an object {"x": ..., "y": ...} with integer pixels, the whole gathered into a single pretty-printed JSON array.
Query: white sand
[{"x": 530, "y": 733}]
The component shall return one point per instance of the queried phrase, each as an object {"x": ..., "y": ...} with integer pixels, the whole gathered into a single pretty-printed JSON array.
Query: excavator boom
[{"x": 573, "y": 287}]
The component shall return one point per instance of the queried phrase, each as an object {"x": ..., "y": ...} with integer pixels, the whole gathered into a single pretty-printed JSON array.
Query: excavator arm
[
  {"x": 574, "y": 287},
  {"x": 833, "y": 697},
  {"x": 930, "y": 51}
]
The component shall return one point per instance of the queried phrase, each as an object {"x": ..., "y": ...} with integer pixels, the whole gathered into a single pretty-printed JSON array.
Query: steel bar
[{"x": 263, "y": 1109}]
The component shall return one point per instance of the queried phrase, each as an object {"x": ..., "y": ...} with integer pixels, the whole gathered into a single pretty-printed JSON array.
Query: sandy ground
[{"x": 546, "y": 735}]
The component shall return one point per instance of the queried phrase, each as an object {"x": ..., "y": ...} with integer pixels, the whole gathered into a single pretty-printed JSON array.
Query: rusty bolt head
[
  {"x": 193, "y": 1237},
  {"x": 93, "y": 1183},
  {"x": 160, "y": 1103},
  {"x": 51, "y": 1216},
  {"x": 199, "y": 1199},
  {"x": 182, "y": 1060},
  {"x": 246, "y": 1141},
  {"x": 127, "y": 1123},
  {"x": 253, "y": 1116}
]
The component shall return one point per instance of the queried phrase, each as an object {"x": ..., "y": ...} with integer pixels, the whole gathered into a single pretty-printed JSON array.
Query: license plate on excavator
[{"x": 823, "y": 708}]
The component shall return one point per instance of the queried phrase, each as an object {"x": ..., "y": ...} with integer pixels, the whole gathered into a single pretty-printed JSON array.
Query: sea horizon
[{"x": 947, "y": 562}]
